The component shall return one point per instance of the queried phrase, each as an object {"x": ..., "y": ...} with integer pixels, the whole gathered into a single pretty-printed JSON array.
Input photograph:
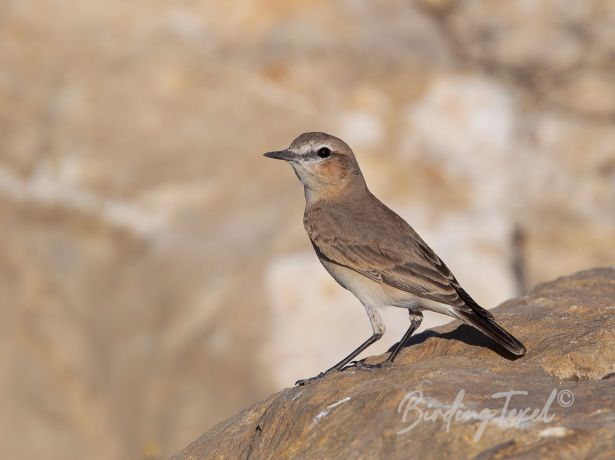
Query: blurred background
[{"x": 155, "y": 276}]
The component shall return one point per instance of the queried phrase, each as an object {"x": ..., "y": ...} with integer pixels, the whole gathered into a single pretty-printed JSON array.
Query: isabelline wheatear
[{"x": 371, "y": 251}]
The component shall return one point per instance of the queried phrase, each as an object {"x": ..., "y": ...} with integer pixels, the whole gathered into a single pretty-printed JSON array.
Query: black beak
[{"x": 285, "y": 155}]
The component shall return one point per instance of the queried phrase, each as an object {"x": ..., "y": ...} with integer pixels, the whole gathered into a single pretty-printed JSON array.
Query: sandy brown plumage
[
  {"x": 370, "y": 250},
  {"x": 362, "y": 234}
]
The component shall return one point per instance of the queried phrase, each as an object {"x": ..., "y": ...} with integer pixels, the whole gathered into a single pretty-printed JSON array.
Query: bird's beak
[{"x": 285, "y": 155}]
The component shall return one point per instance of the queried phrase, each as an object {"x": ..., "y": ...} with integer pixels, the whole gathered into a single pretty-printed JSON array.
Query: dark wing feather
[{"x": 374, "y": 241}]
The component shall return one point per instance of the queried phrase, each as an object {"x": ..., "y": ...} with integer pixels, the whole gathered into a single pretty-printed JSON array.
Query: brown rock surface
[{"x": 568, "y": 326}]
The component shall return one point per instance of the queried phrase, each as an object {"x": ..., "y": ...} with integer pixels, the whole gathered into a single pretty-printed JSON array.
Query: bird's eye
[{"x": 324, "y": 152}]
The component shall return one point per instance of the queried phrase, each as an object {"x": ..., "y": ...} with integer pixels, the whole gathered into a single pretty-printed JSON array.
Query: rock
[{"x": 568, "y": 327}]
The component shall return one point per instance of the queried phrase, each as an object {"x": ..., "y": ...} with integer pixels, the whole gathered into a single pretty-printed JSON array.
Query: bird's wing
[{"x": 382, "y": 246}]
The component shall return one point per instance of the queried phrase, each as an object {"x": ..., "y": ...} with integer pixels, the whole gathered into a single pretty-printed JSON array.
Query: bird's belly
[
  {"x": 377, "y": 294},
  {"x": 369, "y": 292}
]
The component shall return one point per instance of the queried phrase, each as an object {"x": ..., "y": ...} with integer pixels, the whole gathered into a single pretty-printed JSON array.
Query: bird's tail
[
  {"x": 487, "y": 325},
  {"x": 484, "y": 321}
]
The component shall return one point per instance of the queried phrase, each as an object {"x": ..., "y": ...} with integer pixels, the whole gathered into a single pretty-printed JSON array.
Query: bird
[{"x": 374, "y": 253}]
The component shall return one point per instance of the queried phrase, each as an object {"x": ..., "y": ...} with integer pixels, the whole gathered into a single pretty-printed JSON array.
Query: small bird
[{"x": 371, "y": 251}]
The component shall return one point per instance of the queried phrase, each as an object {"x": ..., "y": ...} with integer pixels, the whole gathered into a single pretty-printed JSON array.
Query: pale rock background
[{"x": 154, "y": 273}]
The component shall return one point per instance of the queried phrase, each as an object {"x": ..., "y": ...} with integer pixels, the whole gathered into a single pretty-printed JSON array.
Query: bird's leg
[
  {"x": 378, "y": 328},
  {"x": 343, "y": 362},
  {"x": 416, "y": 317}
]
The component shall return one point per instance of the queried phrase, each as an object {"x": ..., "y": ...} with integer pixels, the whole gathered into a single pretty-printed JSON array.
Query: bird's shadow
[{"x": 462, "y": 333}]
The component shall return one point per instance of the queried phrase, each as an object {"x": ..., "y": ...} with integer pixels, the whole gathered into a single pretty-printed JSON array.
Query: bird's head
[{"x": 324, "y": 164}]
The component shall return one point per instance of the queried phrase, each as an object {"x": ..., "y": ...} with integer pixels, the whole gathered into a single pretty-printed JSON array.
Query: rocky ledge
[{"x": 451, "y": 394}]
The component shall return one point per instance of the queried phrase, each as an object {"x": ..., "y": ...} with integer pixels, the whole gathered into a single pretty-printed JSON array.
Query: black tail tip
[{"x": 519, "y": 350}]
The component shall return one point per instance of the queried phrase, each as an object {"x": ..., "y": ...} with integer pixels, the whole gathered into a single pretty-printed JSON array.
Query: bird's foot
[
  {"x": 364, "y": 365},
  {"x": 310, "y": 380}
]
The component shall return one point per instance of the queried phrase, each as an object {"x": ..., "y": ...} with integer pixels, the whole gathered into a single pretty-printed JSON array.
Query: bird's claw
[
  {"x": 310, "y": 380},
  {"x": 352, "y": 364},
  {"x": 364, "y": 365}
]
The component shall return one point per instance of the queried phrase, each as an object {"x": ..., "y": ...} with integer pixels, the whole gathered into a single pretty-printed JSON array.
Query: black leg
[
  {"x": 416, "y": 318},
  {"x": 343, "y": 362},
  {"x": 415, "y": 321},
  {"x": 374, "y": 338}
]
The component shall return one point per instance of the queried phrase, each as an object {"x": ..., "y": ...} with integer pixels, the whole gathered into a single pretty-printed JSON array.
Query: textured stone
[{"x": 568, "y": 326}]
